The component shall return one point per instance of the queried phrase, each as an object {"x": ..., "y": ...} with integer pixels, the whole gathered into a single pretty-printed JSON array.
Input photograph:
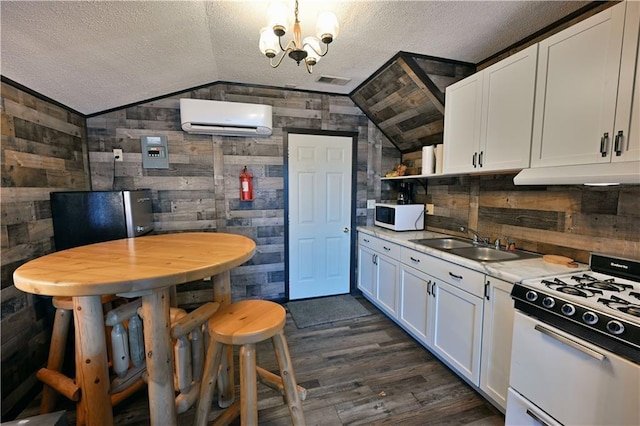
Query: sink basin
[
  {"x": 443, "y": 243},
  {"x": 487, "y": 254}
]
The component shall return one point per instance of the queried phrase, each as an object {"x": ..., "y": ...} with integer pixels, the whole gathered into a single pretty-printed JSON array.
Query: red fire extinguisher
[{"x": 246, "y": 185}]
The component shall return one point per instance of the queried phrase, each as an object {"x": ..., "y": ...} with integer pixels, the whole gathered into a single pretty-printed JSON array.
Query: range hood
[{"x": 585, "y": 174}]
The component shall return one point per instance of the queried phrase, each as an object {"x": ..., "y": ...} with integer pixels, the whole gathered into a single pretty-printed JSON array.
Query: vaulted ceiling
[{"x": 97, "y": 55}]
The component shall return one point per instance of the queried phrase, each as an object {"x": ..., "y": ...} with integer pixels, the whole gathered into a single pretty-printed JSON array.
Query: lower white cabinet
[
  {"x": 457, "y": 329},
  {"x": 387, "y": 289},
  {"x": 459, "y": 314},
  {"x": 415, "y": 303},
  {"x": 378, "y": 272},
  {"x": 497, "y": 333},
  {"x": 441, "y": 305},
  {"x": 366, "y": 269}
]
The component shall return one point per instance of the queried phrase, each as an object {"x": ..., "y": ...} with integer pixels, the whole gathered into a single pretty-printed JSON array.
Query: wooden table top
[{"x": 133, "y": 264}]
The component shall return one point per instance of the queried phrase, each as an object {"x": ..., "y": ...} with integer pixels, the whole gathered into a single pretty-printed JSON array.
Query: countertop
[{"x": 512, "y": 270}]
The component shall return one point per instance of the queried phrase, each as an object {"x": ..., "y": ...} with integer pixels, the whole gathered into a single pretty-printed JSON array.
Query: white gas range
[{"x": 576, "y": 347}]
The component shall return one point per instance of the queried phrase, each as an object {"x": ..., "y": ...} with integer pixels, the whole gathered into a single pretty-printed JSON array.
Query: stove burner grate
[
  {"x": 621, "y": 305},
  {"x": 609, "y": 284},
  {"x": 575, "y": 290}
]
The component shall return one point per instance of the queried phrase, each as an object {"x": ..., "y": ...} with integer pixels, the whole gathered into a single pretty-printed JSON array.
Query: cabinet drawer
[
  {"x": 458, "y": 276},
  {"x": 379, "y": 245},
  {"x": 421, "y": 261}
]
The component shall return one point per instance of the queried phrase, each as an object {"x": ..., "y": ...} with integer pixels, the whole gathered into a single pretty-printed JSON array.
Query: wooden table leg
[
  {"x": 92, "y": 370},
  {"x": 159, "y": 356},
  {"x": 226, "y": 380}
]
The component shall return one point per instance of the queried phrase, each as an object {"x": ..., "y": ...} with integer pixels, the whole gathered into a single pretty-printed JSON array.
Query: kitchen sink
[
  {"x": 443, "y": 243},
  {"x": 465, "y": 248},
  {"x": 485, "y": 254}
]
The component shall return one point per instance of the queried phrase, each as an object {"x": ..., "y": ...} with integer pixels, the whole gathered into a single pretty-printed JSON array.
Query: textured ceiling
[{"x": 94, "y": 56}]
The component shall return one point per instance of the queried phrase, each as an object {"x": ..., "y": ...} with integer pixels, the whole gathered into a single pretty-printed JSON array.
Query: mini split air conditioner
[{"x": 225, "y": 118}]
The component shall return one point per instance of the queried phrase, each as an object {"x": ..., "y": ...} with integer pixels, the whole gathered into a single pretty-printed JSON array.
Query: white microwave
[{"x": 400, "y": 217}]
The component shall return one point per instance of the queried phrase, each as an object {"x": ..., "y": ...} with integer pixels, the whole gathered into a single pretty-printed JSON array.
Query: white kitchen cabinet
[
  {"x": 489, "y": 116},
  {"x": 462, "y": 125},
  {"x": 387, "y": 284},
  {"x": 457, "y": 329},
  {"x": 583, "y": 83},
  {"x": 415, "y": 302},
  {"x": 379, "y": 271},
  {"x": 497, "y": 333},
  {"x": 627, "y": 125},
  {"x": 366, "y": 268}
]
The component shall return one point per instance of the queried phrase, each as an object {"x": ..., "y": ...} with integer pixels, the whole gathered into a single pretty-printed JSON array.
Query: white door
[{"x": 319, "y": 176}]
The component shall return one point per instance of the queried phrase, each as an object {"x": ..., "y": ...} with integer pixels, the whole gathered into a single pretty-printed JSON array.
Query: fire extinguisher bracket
[{"x": 246, "y": 185}]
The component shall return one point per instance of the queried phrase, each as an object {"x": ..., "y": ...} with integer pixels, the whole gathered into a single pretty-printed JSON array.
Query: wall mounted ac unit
[{"x": 225, "y": 118}]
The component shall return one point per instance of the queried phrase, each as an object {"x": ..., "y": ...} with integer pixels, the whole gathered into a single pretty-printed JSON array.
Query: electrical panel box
[{"x": 155, "y": 154}]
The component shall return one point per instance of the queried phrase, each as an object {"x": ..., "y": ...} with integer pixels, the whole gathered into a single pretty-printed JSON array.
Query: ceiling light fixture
[{"x": 307, "y": 50}]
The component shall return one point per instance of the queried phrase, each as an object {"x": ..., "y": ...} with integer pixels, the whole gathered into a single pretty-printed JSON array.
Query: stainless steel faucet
[{"x": 477, "y": 239}]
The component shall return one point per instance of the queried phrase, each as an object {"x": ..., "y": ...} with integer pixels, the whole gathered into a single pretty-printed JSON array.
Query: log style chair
[
  {"x": 127, "y": 354},
  {"x": 244, "y": 324}
]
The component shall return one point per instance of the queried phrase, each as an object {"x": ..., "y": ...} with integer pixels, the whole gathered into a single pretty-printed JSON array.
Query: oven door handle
[
  {"x": 536, "y": 418},
  {"x": 585, "y": 350}
]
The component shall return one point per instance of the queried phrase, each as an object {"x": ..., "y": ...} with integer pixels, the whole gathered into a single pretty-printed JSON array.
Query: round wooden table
[{"x": 146, "y": 266}]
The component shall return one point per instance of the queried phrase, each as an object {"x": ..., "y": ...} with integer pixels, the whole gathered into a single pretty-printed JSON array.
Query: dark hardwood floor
[{"x": 363, "y": 371}]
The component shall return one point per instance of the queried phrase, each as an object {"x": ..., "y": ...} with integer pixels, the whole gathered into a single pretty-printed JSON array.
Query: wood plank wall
[
  {"x": 200, "y": 190},
  {"x": 569, "y": 220},
  {"x": 43, "y": 150}
]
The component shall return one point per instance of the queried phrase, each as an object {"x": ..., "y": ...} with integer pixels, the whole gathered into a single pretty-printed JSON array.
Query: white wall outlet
[
  {"x": 117, "y": 154},
  {"x": 429, "y": 208},
  {"x": 371, "y": 204}
]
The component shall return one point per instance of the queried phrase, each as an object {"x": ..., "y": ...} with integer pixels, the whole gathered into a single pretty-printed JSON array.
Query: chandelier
[{"x": 307, "y": 50}]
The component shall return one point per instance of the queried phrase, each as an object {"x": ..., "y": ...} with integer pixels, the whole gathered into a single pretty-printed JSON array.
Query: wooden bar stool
[{"x": 246, "y": 323}]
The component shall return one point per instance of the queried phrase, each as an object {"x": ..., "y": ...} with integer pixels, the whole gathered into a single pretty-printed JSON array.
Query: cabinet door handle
[
  {"x": 473, "y": 161},
  {"x": 486, "y": 290},
  {"x": 414, "y": 259},
  {"x": 433, "y": 289},
  {"x": 480, "y": 158},
  {"x": 375, "y": 259},
  {"x": 429, "y": 287},
  {"x": 604, "y": 141},
  {"x": 575, "y": 345},
  {"x": 536, "y": 418},
  {"x": 617, "y": 145},
  {"x": 458, "y": 277}
]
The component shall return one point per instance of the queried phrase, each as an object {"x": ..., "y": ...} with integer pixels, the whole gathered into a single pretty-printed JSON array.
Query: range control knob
[
  {"x": 568, "y": 309},
  {"x": 531, "y": 296},
  {"x": 615, "y": 327},
  {"x": 548, "y": 302},
  {"x": 139, "y": 228},
  {"x": 590, "y": 318}
]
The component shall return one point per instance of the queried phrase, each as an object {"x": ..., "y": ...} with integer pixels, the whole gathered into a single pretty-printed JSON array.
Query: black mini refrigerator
[{"x": 87, "y": 217}]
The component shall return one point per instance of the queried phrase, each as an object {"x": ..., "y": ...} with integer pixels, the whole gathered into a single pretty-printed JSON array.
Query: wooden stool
[{"x": 247, "y": 323}]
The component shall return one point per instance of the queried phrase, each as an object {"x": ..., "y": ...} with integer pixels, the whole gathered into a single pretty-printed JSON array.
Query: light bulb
[
  {"x": 268, "y": 42},
  {"x": 327, "y": 27},
  {"x": 279, "y": 20}
]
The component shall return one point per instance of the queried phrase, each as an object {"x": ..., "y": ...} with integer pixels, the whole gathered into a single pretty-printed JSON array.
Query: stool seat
[
  {"x": 248, "y": 321},
  {"x": 244, "y": 324}
]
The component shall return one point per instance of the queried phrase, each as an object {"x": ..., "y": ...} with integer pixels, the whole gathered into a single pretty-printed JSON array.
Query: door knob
[{"x": 345, "y": 230}]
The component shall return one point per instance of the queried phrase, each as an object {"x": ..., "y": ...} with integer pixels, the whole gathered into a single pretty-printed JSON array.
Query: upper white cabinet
[
  {"x": 585, "y": 91},
  {"x": 489, "y": 117},
  {"x": 462, "y": 125}
]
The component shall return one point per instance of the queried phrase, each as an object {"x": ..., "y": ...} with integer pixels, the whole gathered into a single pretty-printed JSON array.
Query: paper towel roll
[
  {"x": 428, "y": 160},
  {"x": 439, "y": 153}
]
